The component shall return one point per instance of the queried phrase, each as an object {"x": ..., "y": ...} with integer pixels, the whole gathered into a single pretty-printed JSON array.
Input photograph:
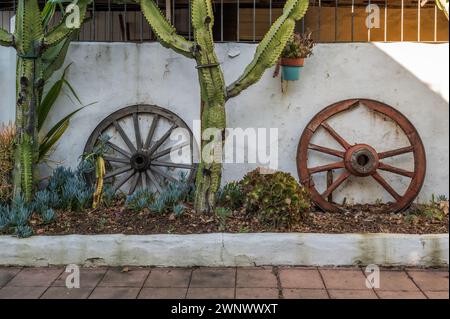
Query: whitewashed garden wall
[{"x": 118, "y": 75}]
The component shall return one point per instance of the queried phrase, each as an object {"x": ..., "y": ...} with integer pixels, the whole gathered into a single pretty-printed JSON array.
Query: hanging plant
[{"x": 298, "y": 48}]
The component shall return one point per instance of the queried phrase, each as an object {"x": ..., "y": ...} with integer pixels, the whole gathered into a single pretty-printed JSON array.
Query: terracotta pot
[{"x": 292, "y": 62}]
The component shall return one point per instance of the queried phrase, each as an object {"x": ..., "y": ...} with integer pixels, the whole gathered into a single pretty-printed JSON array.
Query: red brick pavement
[{"x": 226, "y": 283}]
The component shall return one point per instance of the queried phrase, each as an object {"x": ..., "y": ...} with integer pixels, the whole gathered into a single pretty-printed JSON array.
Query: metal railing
[{"x": 248, "y": 20}]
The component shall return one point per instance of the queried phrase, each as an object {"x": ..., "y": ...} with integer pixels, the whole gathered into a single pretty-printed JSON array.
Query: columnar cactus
[
  {"x": 40, "y": 52},
  {"x": 214, "y": 92}
]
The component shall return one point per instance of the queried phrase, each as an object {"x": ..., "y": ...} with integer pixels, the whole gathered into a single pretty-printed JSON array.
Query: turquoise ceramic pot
[{"x": 291, "y": 73}]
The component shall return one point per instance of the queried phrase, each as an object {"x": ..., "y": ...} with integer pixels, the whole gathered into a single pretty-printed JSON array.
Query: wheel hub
[
  {"x": 140, "y": 161},
  {"x": 361, "y": 160}
]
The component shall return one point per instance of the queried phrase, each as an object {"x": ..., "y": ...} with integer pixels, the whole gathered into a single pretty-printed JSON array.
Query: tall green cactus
[
  {"x": 40, "y": 52},
  {"x": 214, "y": 92}
]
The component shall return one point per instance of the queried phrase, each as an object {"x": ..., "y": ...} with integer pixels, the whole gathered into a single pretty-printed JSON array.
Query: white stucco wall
[
  {"x": 7, "y": 84},
  {"x": 411, "y": 77}
]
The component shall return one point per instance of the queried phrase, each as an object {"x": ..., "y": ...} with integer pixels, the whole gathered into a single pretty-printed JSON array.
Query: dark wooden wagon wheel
[
  {"x": 360, "y": 160},
  {"x": 138, "y": 158}
]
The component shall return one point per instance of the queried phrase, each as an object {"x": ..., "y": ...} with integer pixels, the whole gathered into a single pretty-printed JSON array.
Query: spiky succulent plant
[{"x": 41, "y": 51}]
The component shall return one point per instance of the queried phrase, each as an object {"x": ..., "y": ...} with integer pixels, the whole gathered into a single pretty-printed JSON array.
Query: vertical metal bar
[
  {"x": 110, "y": 22},
  {"x": 93, "y": 20},
  {"x": 173, "y": 11},
  {"x": 189, "y": 20},
  {"x": 353, "y": 20},
  {"x": 435, "y": 22},
  {"x": 335, "y": 20},
  {"x": 254, "y": 20},
  {"x": 8, "y": 22},
  {"x": 319, "y": 21},
  {"x": 270, "y": 13},
  {"x": 125, "y": 22},
  {"x": 238, "y": 21},
  {"x": 385, "y": 19},
  {"x": 141, "y": 31},
  {"x": 369, "y": 29},
  {"x": 105, "y": 27},
  {"x": 418, "y": 21},
  {"x": 401, "y": 18},
  {"x": 221, "y": 20}
]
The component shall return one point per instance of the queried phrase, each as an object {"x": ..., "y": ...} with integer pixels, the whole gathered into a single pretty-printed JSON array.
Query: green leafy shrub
[
  {"x": 275, "y": 199},
  {"x": 231, "y": 196},
  {"x": 434, "y": 210},
  {"x": 7, "y": 134}
]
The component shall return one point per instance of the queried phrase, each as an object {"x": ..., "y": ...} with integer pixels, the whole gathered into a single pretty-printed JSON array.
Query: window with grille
[{"x": 248, "y": 20}]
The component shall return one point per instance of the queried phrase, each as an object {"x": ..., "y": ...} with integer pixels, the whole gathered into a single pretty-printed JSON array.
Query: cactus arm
[
  {"x": 6, "y": 38},
  {"x": 165, "y": 31},
  {"x": 269, "y": 50},
  {"x": 66, "y": 25},
  {"x": 28, "y": 32},
  {"x": 443, "y": 5}
]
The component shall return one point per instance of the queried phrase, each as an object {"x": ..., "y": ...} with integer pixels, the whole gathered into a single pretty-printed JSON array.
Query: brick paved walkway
[{"x": 267, "y": 282}]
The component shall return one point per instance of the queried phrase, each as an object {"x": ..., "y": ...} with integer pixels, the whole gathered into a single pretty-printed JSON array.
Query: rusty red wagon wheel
[{"x": 360, "y": 160}]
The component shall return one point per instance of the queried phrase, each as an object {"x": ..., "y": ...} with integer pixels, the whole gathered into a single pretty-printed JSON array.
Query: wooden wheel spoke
[
  {"x": 118, "y": 171},
  {"x": 123, "y": 180},
  {"x": 174, "y": 165},
  {"x": 151, "y": 132},
  {"x": 116, "y": 159},
  {"x": 386, "y": 186},
  {"x": 119, "y": 149},
  {"x": 144, "y": 180},
  {"x": 396, "y": 152},
  {"x": 326, "y": 150},
  {"x": 162, "y": 139},
  {"x": 325, "y": 168},
  {"x": 137, "y": 131},
  {"x": 134, "y": 183},
  {"x": 124, "y": 137},
  {"x": 164, "y": 174},
  {"x": 396, "y": 170},
  {"x": 153, "y": 179},
  {"x": 169, "y": 150},
  {"x": 336, "y": 184},
  {"x": 335, "y": 135}
]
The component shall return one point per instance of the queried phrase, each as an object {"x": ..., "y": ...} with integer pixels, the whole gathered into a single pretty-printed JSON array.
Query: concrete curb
[{"x": 218, "y": 249}]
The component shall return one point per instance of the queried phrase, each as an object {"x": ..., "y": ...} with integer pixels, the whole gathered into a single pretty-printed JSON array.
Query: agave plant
[
  {"x": 41, "y": 51},
  {"x": 214, "y": 92}
]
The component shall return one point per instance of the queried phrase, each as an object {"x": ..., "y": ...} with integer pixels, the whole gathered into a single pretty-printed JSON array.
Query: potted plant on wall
[{"x": 293, "y": 57}]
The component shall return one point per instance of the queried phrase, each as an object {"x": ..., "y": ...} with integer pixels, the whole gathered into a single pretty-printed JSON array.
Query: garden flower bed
[{"x": 419, "y": 219}]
